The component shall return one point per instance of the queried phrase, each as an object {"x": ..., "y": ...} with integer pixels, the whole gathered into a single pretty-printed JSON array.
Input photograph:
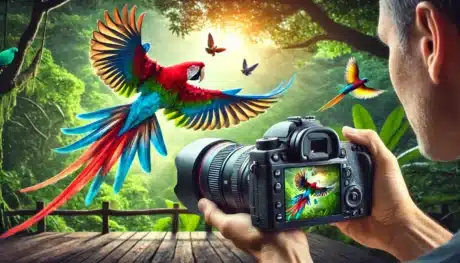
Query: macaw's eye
[{"x": 195, "y": 73}]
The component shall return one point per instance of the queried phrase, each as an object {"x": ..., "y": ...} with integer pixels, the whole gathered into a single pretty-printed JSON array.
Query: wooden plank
[
  {"x": 16, "y": 252},
  {"x": 184, "y": 252},
  {"x": 107, "y": 249},
  {"x": 136, "y": 253},
  {"x": 92, "y": 249},
  {"x": 24, "y": 242},
  {"x": 23, "y": 237},
  {"x": 97, "y": 240},
  {"x": 123, "y": 248},
  {"x": 224, "y": 253},
  {"x": 43, "y": 254},
  {"x": 165, "y": 252},
  {"x": 202, "y": 249},
  {"x": 243, "y": 256}
]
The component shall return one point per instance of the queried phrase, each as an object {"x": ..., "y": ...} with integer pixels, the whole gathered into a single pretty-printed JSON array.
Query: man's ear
[{"x": 430, "y": 26}]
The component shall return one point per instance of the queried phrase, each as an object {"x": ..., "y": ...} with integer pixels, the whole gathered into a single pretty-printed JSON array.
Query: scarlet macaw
[
  {"x": 121, "y": 61},
  {"x": 355, "y": 86},
  {"x": 298, "y": 202}
]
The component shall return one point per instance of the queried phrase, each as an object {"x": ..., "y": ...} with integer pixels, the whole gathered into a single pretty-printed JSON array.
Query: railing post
[
  {"x": 41, "y": 225},
  {"x": 105, "y": 217},
  {"x": 208, "y": 228},
  {"x": 175, "y": 219}
]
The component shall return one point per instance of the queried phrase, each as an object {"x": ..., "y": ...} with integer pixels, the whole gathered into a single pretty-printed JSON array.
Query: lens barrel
[{"x": 217, "y": 170}]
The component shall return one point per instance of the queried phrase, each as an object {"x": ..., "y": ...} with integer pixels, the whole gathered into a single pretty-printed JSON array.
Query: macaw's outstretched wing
[
  {"x": 322, "y": 191},
  {"x": 363, "y": 92},
  {"x": 117, "y": 53},
  {"x": 213, "y": 109},
  {"x": 352, "y": 71}
]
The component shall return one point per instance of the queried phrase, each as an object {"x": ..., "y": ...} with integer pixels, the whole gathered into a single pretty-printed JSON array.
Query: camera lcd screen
[{"x": 312, "y": 192}]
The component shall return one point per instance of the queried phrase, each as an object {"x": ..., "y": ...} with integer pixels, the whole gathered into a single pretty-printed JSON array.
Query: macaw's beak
[{"x": 201, "y": 74}]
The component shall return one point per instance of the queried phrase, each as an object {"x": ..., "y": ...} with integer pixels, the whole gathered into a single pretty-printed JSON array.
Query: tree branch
[
  {"x": 17, "y": 123},
  {"x": 60, "y": 110},
  {"x": 309, "y": 42},
  {"x": 29, "y": 72},
  {"x": 35, "y": 127},
  {"x": 5, "y": 25},
  {"x": 10, "y": 74},
  {"x": 36, "y": 105},
  {"x": 340, "y": 32}
]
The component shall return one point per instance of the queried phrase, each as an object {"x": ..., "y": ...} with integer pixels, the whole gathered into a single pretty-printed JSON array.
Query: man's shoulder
[{"x": 449, "y": 253}]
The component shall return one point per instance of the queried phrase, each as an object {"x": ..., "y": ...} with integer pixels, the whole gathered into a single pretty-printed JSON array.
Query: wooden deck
[{"x": 155, "y": 247}]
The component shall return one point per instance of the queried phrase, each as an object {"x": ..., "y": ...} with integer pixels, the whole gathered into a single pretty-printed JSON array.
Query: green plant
[
  {"x": 187, "y": 223},
  {"x": 393, "y": 129}
]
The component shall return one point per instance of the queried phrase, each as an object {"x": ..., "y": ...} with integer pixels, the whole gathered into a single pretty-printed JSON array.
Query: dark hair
[{"x": 403, "y": 12}]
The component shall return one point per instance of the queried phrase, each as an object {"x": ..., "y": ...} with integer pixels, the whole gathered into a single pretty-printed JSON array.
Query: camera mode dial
[{"x": 267, "y": 144}]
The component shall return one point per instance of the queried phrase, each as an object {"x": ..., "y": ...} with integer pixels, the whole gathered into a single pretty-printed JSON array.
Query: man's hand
[
  {"x": 396, "y": 225},
  {"x": 288, "y": 246}
]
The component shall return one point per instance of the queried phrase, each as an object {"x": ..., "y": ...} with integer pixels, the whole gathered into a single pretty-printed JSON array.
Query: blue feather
[
  {"x": 103, "y": 113},
  {"x": 278, "y": 90},
  {"x": 85, "y": 141},
  {"x": 231, "y": 92},
  {"x": 143, "y": 108},
  {"x": 94, "y": 189},
  {"x": 146, "y": 47},
  {"x": 157, "y": 137},
  {"x": 86, "y": 128},
  {"x": 126, "y": 161},
  {"x": 144, "y": 152}
]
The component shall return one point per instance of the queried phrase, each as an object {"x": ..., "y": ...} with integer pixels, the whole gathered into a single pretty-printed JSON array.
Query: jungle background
[{"x": 313, "y": 38}]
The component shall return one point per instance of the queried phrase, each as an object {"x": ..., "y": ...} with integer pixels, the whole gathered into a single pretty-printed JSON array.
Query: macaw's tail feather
[
  {"x": 298, "y": 205},
  {"x": 106, "y": 149},
  {"x": 332, "y": 102}
]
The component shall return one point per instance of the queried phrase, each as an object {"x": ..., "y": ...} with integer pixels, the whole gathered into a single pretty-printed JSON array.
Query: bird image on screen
[{"x": 312, "y": 192}]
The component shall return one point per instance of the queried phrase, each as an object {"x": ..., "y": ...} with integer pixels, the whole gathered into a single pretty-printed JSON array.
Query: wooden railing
[{"x": 105, "y": 212}]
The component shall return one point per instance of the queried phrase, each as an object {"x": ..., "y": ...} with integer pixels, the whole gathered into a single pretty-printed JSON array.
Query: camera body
[{"x": 301, "y": 175}]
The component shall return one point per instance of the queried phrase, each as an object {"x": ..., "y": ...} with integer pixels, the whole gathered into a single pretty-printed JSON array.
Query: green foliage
[
  {"x": 163, "y": 224},
  {"x": 362, "y": 118},
  {"x": 410, "y": 155},
  {"x": 186, "y": 222}
]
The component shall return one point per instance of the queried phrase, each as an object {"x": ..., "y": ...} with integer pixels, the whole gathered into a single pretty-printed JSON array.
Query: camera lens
[{"x": 217, "y": 170}]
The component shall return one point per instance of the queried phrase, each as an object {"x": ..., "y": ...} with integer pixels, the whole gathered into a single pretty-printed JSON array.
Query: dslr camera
[{"x": 298, "y": 175}]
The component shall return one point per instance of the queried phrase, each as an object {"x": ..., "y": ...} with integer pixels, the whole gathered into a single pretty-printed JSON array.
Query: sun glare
[{"x": 233, "y": 41}]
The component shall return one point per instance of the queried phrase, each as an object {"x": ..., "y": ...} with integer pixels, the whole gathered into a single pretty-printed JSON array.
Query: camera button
[
  {"x": 252, "y": 168},
  {"x": 361, "y": 211},
  {"x": 284, "y": 157},
  {"x": 347, "y": 182},
  {"x": 354, "y": 213},
  {"x": 343, "y": 153},
  {"x": 275, "y": 157},
  {"x": 278, "y": 204},
  {"x": 277, "y": 173},
  {"x": 348, "y": 172},
  {"x": 278, "y": 187},
  {"x": 279, "y": 217}
]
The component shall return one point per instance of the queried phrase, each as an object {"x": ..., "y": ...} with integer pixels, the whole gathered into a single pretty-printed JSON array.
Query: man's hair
[{"x": 403, "y": 12}]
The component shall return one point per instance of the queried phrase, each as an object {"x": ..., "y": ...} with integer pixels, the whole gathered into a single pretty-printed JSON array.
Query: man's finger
[{"x": 212, "y": 215}]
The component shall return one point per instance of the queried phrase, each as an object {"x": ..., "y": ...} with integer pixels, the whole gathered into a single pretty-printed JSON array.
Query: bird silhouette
[
  {"x": 355, "y": 86},
  {"x": 247, "y": 71},
  {"x": 212, "y": 48}
]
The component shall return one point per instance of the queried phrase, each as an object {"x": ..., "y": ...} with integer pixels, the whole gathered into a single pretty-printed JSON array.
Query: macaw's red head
[{"x": 181, "y": 73}]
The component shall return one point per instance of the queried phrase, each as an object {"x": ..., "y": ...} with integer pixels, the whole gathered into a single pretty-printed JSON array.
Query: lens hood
[{"x": 188, "y": 161}]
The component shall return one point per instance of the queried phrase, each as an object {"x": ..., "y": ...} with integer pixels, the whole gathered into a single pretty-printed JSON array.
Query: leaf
[
  {"x": 398, "y": 135},
  {"x": 362, "y": 119},
  {"x": 409, "y": 156},
  {"x": 186, "y": 222},
  {"x": 392, "y": 123}
]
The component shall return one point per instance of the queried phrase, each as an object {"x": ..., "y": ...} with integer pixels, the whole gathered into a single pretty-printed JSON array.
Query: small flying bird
[
  {"x": 355, "y": 86},
  {"x": 7, "y": 56},
  {"x": 212, "y": 48},
  {"x": 247, "y": 71}
]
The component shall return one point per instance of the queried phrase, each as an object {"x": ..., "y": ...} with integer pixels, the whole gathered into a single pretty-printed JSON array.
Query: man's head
[{"x": 424, "y": 63}]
